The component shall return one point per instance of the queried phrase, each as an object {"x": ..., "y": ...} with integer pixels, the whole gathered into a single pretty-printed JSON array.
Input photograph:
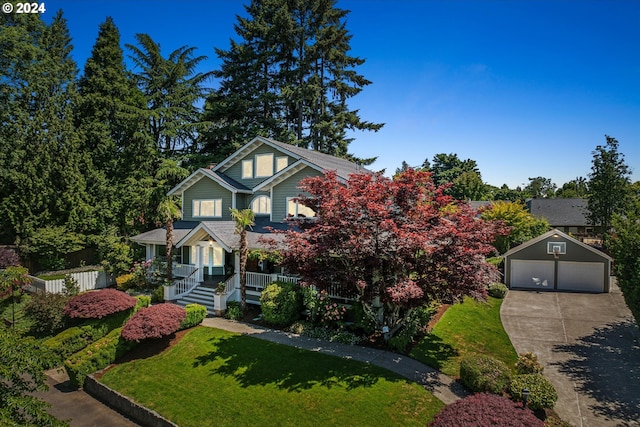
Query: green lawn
[
  {"x": 470, "y": 327},
  {"x": 213, "y": 377}
]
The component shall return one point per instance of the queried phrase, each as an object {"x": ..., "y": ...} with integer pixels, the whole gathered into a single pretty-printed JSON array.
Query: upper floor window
[
  {"x": 295, "y": 209},
  {"x": 247, "y": 169},
  {"x": 281, "y": 163},
  {"x": 264, "y": 165},
  {"x": 207, "y": 208},
  {"x": 261, "y": 205}
]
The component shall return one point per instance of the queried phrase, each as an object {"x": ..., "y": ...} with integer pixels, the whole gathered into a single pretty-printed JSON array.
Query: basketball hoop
[{"x": 556, "y": 253}]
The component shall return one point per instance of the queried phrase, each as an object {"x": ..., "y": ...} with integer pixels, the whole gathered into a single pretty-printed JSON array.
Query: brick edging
[{"x": 138, "y": 413}]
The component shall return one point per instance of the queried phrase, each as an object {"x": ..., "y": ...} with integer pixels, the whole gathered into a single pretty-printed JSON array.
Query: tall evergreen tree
[
  {"x": 608, "y": 185},
  {"x": 41, "y": 168},
  {"x": 109, "y": 117},
  {"x": 172, "y": 88},
  {"x": 290, "y": 77}
]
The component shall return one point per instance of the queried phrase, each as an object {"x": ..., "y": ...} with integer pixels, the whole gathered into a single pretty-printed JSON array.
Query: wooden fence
[{"x": 87, "y": 280}]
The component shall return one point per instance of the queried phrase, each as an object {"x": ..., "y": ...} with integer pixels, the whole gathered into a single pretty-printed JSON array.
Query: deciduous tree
[
  {"x": 394, "y": 244},
  {"x": 523, "y": 225}
]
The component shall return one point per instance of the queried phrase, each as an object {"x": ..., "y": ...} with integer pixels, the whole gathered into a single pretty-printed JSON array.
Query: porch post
[{"x": 199, "y": 263}]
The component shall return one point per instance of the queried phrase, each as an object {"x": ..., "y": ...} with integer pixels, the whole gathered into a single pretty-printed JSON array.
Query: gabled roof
[
  {"x": 326, "y": 162},
  {"x": 560, "y": 212},
  {"x": 228, "y": 183},
  {"x": 555, "y": 232},
  {"x": 224, "y": 232},
  {"x": 159, "y": 235}
]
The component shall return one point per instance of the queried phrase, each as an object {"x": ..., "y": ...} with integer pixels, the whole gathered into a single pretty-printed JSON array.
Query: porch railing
[
  {"x": 181, "y": 287},
  {"x": 261, "y": 280},
  {"x": 183, "y": 270}
]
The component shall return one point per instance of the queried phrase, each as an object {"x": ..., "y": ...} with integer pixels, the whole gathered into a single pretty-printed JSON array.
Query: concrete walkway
[
  {"x": 442, "y": 386},
  {"x": 589, "y": 345}
]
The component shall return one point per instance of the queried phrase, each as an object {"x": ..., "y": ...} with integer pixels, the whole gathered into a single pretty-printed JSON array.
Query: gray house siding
[
  {"x": 235, "y": 171},
  {"x": 288, "y": 188},
  {"x": 206, "y": 189}
]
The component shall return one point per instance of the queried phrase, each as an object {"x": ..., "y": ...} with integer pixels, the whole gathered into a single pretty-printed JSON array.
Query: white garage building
[{"x": 555, "y": 261}]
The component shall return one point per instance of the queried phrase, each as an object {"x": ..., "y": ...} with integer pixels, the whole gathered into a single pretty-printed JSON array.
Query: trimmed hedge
[
  {"x": 480, "y": 373},
  {"x": 485, "y": 410},
  {"x": 542, "y": 394},
  {"x": 497, "y": 290},
  {"x": 195, "y": 315},
  {"x": 528, "y": 364},
  {"x": 98, "y": 304},
  {"x": 281, "y": 303},
  {"x": 154, "y": 322},
  {"x": 96, "y": 356},
  {"x": 76, "y": 338}
]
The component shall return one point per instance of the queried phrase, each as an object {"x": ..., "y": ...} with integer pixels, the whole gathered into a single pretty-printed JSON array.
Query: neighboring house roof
[
  {"x": 560, "y": 212},
  {"x": 159, "y": 235},
  {"x": 228, "y": 183},
  {"x": 326, "y": 162},
  {"x": 555, "y": 232},
  {"x": 480, "y": 204}
]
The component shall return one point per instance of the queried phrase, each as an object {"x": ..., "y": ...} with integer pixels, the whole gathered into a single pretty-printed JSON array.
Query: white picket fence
[{"x": 87, "y": 280}]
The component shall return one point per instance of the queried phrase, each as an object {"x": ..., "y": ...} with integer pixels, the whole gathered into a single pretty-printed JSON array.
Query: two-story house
[{"x": 263, "y": 175}]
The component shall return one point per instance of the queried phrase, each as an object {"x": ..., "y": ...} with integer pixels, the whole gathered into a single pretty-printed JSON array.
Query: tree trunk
[
  {"x": 243, "y": 269},
  {"x": 169, "y": 226}
]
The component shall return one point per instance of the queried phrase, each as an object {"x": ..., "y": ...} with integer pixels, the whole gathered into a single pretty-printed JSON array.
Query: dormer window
[
  {"x": 264, "y": 165},
  {"x": 261, "y": 205}
]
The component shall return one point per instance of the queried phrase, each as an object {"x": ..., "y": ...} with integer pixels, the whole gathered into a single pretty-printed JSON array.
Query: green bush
[
  {"x": 157, "y": 296},
  {"x": 361, "y": 320},
  {"x": 47, "y": 312},
  {"x": 416, "y": 325},
  {"x": 143, "y": 301},
  {"x": 542, "y": 394},
  {"x": 281, "y": 303},
  {"x": 318, "y": 332},
  {"x": 480, "y": 373},
  {"x": 195, "y": 315},
  {"x": 528, "y": 364},
  {"x": 124, "y": 281},
  {"x": 96, "y": 356},
  {"x": 497, "y": 290},
  {"x": 234, "y": 312}
]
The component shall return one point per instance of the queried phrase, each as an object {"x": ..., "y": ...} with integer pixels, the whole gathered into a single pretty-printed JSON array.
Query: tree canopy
[
  {"x": 394, "y": 244},
  {"x": 523, "y": 225}
]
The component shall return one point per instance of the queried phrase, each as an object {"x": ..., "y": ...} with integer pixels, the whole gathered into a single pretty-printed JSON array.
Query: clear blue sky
[{"x": 525, "y": 88}]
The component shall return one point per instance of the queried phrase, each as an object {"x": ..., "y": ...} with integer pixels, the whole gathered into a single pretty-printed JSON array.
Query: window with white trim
[
  {"x": 261, "y": 205},
  {"x": 264, "y": 165},
  {"x": 281, "y": 163},
  {"x": 295, "y": 209},
  {"x": 247, "y": 169},
  {"x": 211, "y": 208}
]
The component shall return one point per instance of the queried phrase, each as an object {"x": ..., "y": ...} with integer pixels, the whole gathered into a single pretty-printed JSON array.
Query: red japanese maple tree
[{"x": 394, "y": 244}]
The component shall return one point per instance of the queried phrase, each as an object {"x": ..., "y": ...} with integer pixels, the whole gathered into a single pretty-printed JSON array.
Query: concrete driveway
[{"x": 589, "y": 346}]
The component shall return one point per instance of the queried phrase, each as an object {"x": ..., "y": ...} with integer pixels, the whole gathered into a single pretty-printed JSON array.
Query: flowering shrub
[
  {"x": 124, "y": 281},
  {"x": 8, "y": 258},
  {"x": 528, "y": 364},
  {"x": 481, "y": 373},
  {"x": 542, "y": 394},
  {"x": 329, "y": 313},
  {"x": 141, "y": 272},
  {"x": 98, "y": 304},
  {"x": 484, "y": 410},
  {"x": 154, "y": 322}
]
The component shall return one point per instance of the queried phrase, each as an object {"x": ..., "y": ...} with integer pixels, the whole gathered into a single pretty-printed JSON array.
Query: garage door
[
  {"x": 581, "y": 276},
  {"x": 532, "y": 274}
]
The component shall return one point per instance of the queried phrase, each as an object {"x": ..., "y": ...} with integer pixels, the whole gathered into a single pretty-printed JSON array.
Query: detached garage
[{"x": 555, "y": 261}]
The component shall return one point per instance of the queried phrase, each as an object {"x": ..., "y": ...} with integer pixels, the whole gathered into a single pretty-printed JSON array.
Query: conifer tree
[{"x": 289, "y": 77}]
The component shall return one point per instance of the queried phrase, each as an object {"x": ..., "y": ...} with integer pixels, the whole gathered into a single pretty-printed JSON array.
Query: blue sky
[{"x": 525, "y": 88}]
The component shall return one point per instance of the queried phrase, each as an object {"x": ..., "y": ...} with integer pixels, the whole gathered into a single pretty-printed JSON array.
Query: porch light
[
  {"x": 525, "y": 397},
  {"x": 210, "y": 243}
]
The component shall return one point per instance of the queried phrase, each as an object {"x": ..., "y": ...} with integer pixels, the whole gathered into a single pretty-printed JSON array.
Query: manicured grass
[
  {"x": 470, "y": 327},
  {"x": 217, "y": 378}
]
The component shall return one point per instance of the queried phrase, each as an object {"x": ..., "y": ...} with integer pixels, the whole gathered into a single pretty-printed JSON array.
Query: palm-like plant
[{"x": 244, "y": 218}]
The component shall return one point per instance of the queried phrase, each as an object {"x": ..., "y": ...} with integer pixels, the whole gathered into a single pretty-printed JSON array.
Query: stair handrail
[{"x": 185, "y": 285}]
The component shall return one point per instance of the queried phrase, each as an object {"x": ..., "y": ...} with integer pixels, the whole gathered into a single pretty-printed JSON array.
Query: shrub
[
  {"x": 96, "y": 356},
  {"x": 71, "y": 287},
  {"x": 195, "y": 314},
  {"x": 47, "y": 312},
  {"x": 528, "y": 364},
  {"x": 497, "y": 290},
  {"x": 480, "y": 373},
  {"x": 98, "y": 304},
  {"x": 124, "y": 281},
  {"x": 330, "y": 313},
  {"x": 154, "y": 322},
  {"x": 234, "y": 312},
  {"x": 332, "y": 335},
  {"x": 281, "y": 303},
  {"x": 361, "y": 320},
  {"x": 542, "y": 394},
  {"x": 157, "y": 296},
  {"x": 415, "y": 325},
  {"x": 484, "y": 410},
  {"x": 142, "y": 301},
  {"x": 8, "y": 258}
]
